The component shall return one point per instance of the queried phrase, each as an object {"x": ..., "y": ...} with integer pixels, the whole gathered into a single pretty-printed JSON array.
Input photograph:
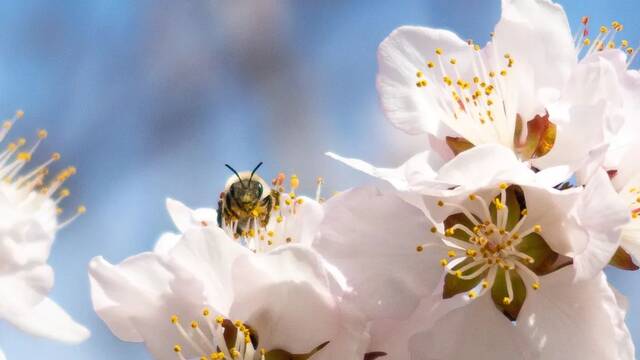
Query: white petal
[
  {"x": 121, "y": 293},
  {"x": 485, "y": 165},
  {"x": 415, "y": 174},
  {"x": 165, "y": 243},
  {"x": 405, "y": 51},
  {"x": 285, "y": 296},
  {"x": 49, "y": 320},
  {"x": 371, "y": 237},
  {"x": 536, "y": 33},
  {"x": 208, "y": 254},
  {"x": 599, "y": 217},
  {"x": 186, "y": 218},
  {"x": 2, "y": 357},
  {"x": 584, "y": 320},
  {"x": 23, "y": 288}
]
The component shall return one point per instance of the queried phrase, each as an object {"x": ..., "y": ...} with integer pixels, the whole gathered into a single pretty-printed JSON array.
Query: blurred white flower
[
  {"x": 179, "y": 304},
  {"x": 28, "y": 224},
  {"x": 492, "y": 239},
  {"x": 533, "y": 88}
]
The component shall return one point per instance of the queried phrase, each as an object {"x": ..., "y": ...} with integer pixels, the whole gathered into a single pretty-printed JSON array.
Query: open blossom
[
  {"x": 294, "y": 220},
  {"x": 535, "y": 88},
  {"x": 209, "y": 297},
  {"x": 497, "y": 242},
  {"x": 29, "y": 207}
]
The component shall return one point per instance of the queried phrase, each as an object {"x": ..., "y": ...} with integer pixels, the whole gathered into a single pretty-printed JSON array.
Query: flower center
[
  {"x": 13, "y": 161},
  {"x": 220, "y": 338},
  {"x": 283, "y": 218},
  {"x": 491, "y": 251}
]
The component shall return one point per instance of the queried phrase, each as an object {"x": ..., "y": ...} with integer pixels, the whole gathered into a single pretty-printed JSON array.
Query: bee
[{"x": 246, "y": 201}]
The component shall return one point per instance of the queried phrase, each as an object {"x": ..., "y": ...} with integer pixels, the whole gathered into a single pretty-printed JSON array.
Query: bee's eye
[{"x": 260, "y": 189}]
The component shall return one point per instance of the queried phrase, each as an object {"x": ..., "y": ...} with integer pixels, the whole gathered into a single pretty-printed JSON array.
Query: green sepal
[
  {"x": 622, "y": 260},
  {"x": 499, "y": 292},
  {"x": 462, "y": 219},
  {"x": 374, "y": 355},
  {"x": 285, "y": 355},
  {"x": 546, "y": 260},
  {"x": 454, "y": 285}
]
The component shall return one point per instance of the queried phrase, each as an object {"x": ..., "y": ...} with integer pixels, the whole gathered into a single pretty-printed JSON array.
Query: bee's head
[{"x": 247, "y": 188}]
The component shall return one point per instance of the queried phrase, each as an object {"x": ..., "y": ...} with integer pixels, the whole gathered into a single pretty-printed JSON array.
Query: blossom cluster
[{"x": 491, "y": 243}]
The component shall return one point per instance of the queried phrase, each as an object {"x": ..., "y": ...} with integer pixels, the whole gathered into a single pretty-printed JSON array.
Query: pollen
[
  {"x": 451, "y": 253},
  {"x": 472, "y": 294},
  {"x": 506, "y": 301},
  {"x": 438, "y": 51},
  {"x": 535, "y": 285},
  {"x": 444, "y": 262},
  {"x": 419, "y": 248}
]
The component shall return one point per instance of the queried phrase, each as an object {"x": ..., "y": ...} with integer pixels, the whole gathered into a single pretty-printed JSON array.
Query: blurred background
[{"x": 150, "y": 98}]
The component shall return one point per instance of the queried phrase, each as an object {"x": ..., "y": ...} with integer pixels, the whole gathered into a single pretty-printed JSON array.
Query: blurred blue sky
[{"x": 150, "y": 98}]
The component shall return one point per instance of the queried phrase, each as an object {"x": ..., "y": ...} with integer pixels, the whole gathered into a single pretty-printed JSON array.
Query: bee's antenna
[
  {"x": 235, "y": 172},
  {"x": 254, "y": 170}
]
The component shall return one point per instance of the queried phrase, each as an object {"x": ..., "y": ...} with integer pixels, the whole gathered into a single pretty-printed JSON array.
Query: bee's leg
[
  {"x": 220, "y": 211},
  {"x": 267, "y": 204}
]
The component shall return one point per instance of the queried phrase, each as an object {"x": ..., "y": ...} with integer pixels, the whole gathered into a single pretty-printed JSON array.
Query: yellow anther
[
  {"x": 279, "y": 219},
  {"x": 458, "y": 274},
  {"x": 7, "y": 125},
  {"x": 503, "y": 186},
  {"x": 438, "y": 51},
  {"x": 205, "y": 312},
  {"x": 586, "y": 41},
  {"x": 22, "y": 141},
  {"x": 629, "y": 50},
  {"x": 447, "y": 80},
  {"x": 55, "y": 156},
  {"x": 604, "y": 29},
  {"x": 288, "y": 240},
  {"x": 194, "y": 324},
  {"x": 419, "y": 248},
  {"x": 440, "y": 203},
  {"x": 286, "y": 201},
  {"x": 252, "y": 233},
  {"x": 453, "y": 61},
  {"x": 489, "y": 102},
  {"x": 472, "y": 294},
  {"x": 537, "y": 228},
  {"x": 451, "y": 253},
  {"x": 503, "y": 72},
  {"x": 177, "y": 348},
  {"x": 524, "y": 212},
  {"x": 611, "y": 45},
  {"x": 423, "y": 83},
  {"x": 492, "y": 73},
  {"x": 471, "y": 252},
  {"x": 269, "y": 242},
  {"x": 485, "y": 284},
  {"x": 247, "y": 340},
  {"x": 433, "y": 229},
  {"x": 444, "y": 262},
  {"x": 65, "y": 193},
  {"x": 174, "y": 319},
  {"x": 19, "y": 113},
  {"x": 449, "y": 232},
  {"x": 499, "y": 204},
  {"x": 81, "y": 209},
  {"x": 219, "y": 320},
  {"x": 430, "y": 64},
  {"x": 24, "y": 156},
  {"x": 271, "y": 233},
  {"x": 419, "y": 74},
  {"x": 506, "y": 301},
  {"x": 42, "y": 134},
  {"x": 476, "y": 47},
  {"x": 624, "y": 43},
  {"x": 295, "y": 182},
  {"x": 472, "y": 197},
  {"x": 535, "y": 285}
]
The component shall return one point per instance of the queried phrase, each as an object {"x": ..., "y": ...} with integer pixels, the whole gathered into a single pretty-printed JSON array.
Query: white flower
[
  {"x": 293, "y": 221},
  {"x": 179, "y": 304},
  {"x": 495, "y": 238},
  {"x": 526, "y": 89},
  {"x": 28, "y": 224}
]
